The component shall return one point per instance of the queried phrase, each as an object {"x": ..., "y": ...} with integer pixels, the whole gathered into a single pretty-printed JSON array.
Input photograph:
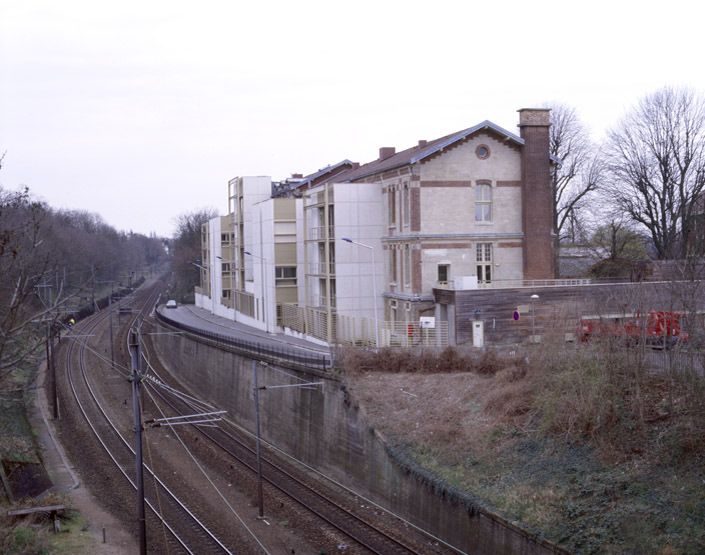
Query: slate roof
[{"x": 420, "y": 152}]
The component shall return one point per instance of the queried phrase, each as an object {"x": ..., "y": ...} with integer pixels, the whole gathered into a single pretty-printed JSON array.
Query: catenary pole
[
  {"x": 260, "y": 497},
  {"x": 139, "y": 474}
]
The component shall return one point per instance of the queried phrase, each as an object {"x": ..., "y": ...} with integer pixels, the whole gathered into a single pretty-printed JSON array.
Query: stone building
[{"x": 470, "y": 210}]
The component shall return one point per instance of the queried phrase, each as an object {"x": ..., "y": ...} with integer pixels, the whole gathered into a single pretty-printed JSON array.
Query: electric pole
[{"x": 139, "y": 474}]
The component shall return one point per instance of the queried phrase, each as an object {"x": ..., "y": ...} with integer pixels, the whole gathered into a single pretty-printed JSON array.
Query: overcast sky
[{"x": 140, "y": 111}]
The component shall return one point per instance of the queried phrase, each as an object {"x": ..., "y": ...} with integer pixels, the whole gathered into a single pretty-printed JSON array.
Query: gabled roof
[
  {"x": 311, "y": 178},
  {"x": 285, "y": 187},
  {"x": 420, "y": 152}
]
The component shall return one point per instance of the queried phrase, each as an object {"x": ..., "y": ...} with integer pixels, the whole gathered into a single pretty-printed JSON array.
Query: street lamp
[
  {"x": 263, "y": 260},
  {"x": 534, "y": 298},
  {"x": 374, "y": 283}
]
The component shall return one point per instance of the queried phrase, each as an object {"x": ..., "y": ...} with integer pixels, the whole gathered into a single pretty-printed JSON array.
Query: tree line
[
  {"x": 645, "y": 183},
  {"x": 52, "y": 261}
]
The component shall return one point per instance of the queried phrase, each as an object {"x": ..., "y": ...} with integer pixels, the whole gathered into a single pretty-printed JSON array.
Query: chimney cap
[{"x": 538, "y": 117}]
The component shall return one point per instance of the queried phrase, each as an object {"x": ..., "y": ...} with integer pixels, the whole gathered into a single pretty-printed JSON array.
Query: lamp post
[
  {"x": 374, "y": 283},
  {"x": 265, "y": 309},
  {"x": 534, "y": 298}
]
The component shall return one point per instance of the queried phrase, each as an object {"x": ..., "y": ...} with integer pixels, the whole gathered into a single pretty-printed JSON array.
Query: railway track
[
  {"x": 182, "y": 531},
  {"x": 170, "y": 521},
  {"x": 307, "y": 493}
]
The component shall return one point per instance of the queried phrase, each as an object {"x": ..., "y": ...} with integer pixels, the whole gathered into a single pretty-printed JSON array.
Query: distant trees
[
  {"x": 187, "y": 250},
  {"x": 656, "y": 161},
  {"x": 621, "y": 249},
  {"x": 579, "y": 170},
  {"x": 50, "y": 258}
]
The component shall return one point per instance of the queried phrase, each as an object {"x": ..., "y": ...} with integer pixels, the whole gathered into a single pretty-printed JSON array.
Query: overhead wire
[{"x": 205, "y": 475}]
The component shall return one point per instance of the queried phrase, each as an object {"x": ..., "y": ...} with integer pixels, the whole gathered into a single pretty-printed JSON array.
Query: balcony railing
[
  {"x": 321, "y": 268},
  {"x": 520, "y": 283},
  {"x": 318, "y": 233}
]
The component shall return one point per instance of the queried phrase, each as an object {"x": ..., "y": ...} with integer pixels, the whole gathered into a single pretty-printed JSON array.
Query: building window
[
  {"x": 483, "y": 202},
  {"x": 482, "y": 152},
  {"x": 392, "y": 194},
  {"x": 285, "y": 275},
  {"x": 392, "y": 265},
  {"x": 483, "y": 255},
  {"x": 443, "y": 273},
  {"x": 225, "y": 267},
  {"x": 226, "y": 293},
  {"x": 407, "y": 267},
  {"x": 406, "y": 205}
]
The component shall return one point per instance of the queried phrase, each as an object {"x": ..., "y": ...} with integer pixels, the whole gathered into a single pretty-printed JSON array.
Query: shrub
[{"x": 450, "y": 359}]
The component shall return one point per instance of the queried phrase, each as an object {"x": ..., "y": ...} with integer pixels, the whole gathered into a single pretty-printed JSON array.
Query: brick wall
[{"x": 537, "y": 202}]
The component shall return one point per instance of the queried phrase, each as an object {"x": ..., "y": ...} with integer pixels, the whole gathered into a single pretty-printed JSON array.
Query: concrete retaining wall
[{"x": 325, "y": 429}]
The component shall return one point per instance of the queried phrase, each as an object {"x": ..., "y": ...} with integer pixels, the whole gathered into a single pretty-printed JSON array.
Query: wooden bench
[{"x": 53, "y": 511}]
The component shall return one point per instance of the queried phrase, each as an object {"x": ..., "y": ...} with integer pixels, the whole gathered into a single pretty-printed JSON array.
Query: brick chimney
[
  {"x": 297, "y": 176},
  {"x": 423, "y": 142},
  {"x": 386, "y": 151},
  {"x": 537, "y": 201}
]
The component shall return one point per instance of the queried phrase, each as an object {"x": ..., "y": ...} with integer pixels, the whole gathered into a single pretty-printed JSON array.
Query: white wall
[
  {"x": 359, "y": 215},
  {"x": 262, "y": 263}
]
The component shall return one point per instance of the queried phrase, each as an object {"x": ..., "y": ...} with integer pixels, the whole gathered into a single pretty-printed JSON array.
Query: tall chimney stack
[{"x": 537, "y": 199}]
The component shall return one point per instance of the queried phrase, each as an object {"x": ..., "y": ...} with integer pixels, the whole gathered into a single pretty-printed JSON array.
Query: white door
[{"x": 478, "y": 334}]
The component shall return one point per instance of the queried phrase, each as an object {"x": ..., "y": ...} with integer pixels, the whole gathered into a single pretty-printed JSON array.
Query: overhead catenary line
[{"x": 205, "y": 475}]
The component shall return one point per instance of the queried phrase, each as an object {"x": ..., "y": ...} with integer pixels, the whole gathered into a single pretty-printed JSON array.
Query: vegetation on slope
[{"x": 590, "y": 446}]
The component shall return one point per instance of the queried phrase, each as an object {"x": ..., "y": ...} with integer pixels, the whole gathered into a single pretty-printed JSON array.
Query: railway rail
[
  {"x": 183, "y": 531},
  {"x": 180, "y": 528},
  {"x": 306, "y": 493}
]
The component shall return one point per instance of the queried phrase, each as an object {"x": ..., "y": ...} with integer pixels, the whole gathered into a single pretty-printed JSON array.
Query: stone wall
[{"x": 325, "y": 429}]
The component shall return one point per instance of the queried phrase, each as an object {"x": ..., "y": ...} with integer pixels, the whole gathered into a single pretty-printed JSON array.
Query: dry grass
[
  {"x": 355, "y": 360},
  {"x": 585, "y": 443}
]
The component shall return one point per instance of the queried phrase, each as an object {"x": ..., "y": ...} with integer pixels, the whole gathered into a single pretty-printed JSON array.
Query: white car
[{"x": 171, "y": 303}]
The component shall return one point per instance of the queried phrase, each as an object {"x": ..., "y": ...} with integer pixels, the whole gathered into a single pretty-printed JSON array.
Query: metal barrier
[{"x": 279, "y": 355}]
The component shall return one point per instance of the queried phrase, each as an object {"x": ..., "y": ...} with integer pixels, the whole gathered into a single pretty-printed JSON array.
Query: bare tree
[
  {"x": 578, "y": 172},
  {"x": 617, "y": 240},
  {"x": 657, "y": 166},
  {"x": 187, "y": 250},
  {"x": 24, "y": 268},
  {"x": 49, "y": 259}
]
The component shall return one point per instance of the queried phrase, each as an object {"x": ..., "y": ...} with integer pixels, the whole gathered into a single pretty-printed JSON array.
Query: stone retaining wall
[{"x": 325, "y": 429}]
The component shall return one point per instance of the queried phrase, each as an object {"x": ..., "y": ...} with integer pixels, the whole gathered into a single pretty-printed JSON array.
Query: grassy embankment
[
  {"x": 19, "y": 451},
  {"x": 583, "y": 444}
]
